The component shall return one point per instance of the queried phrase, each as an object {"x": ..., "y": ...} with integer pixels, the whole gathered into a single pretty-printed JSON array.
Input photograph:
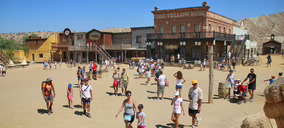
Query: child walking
[
  {"x": 141, "y": 117},
  {"x": 178, "y": 108},
  {"x": 271, "y": 81},
  {"x": 70, "y": 95}
]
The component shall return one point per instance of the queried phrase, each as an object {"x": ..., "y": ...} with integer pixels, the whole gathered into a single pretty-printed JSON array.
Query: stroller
[{"x": 240, "y": 92}]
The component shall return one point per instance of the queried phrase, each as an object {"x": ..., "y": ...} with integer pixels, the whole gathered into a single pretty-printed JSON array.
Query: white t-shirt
[
  {"x": 162, "y": 79},
  {"x": 177, "y": 105},
  {"x": 195, "y": 95},
  {"x": 1, "y": 67},
  {"x": 148, "y": 74},
  {"x": 86, "y": 91}
]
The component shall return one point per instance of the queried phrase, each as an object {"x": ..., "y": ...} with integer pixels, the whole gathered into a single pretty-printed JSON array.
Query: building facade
[{"x": 188, "y": 31}]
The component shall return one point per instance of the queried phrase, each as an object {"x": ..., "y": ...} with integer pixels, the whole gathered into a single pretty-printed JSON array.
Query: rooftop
[{"x": 116, "y": 30}]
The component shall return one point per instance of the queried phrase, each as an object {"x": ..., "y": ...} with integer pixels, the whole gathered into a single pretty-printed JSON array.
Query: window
[
  {"x": 182, "y": 28},
  {"x": 64, "y": 39},
  {"x": 224, "y": 30},
  {"x": 83, "y": 54},
  {"x": 229, "y": 31},
  {"x": 197, "y": 28},
  {"x": 138, "y": 39},
  {"x": 40, "y": 55},
  {"x": 174, "y": 29},
  {"x": 64, "y": 55},
  {"x": 36, "y": 42},
  {"x": 219, "y": 30},
  {"x": 162, "y": 29},
  {"x": 209, "y": 28}
]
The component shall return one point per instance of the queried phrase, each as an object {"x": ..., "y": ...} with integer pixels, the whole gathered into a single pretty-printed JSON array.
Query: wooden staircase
[{"x": 103, "y": 53}]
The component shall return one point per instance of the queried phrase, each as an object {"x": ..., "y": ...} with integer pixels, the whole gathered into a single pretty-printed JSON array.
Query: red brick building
[{"x": 188, "y": 31}]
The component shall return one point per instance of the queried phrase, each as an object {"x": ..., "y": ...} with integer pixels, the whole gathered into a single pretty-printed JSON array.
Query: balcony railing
[
  {"x": 190, "y": 35},
  {"x": 117, "y": 46}
]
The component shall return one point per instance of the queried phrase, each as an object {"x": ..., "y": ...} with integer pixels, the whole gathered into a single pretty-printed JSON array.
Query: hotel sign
[{"x": 180, "y": 15}]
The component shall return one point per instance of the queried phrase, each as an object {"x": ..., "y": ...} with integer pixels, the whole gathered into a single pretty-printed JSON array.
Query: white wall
[{"x": 239, "y": 31}]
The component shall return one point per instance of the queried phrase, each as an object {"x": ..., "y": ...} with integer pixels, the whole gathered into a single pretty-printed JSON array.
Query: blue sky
[{"x": 84, "y": 15}]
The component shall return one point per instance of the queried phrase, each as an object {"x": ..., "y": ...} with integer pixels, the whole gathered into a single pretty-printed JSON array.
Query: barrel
[{"x": 223, "y": 89}]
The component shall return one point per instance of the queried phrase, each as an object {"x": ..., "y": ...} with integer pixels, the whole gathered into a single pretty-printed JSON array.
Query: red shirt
[{"x": 95, "y": 66}]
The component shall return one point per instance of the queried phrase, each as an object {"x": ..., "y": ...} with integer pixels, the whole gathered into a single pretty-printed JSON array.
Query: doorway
[{"x": 33, "y": 57}]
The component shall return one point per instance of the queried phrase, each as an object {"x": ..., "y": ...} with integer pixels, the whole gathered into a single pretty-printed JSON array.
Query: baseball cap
[
  {"x": 176, "y": 93},
  {"x": 194, "y": 81},
  {"x": 70, "y": 85},
  {"x": 86, "y": 79}
]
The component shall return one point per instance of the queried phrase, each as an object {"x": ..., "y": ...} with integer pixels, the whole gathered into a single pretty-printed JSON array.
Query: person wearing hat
[
  {"x": 48, "y": 92},
  {"x": 141, "y": 117},
  {"x": 231, "y": 79},
  {"x": 70, "y": 95},
  {"x": 178, "y": 108},
  {"x": 87, "y": 96},
  {"x": 195, "y": 96}
]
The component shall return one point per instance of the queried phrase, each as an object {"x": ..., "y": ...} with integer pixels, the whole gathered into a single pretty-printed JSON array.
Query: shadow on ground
[
  {"x": 171, "y": 125},
  {"x": 77, "y": 106},
  {"x": 112, "y": 94},
  {"x": 42, "y": 111},
  {"x": 79, "y": 113}
]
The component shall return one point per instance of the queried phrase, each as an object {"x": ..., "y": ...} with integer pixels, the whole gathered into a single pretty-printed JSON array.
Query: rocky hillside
[
  {"x": 262, "y": 27},
  {"x": 18, "y": 37}
]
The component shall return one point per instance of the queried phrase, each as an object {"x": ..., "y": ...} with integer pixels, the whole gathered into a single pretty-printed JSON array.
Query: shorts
[
  {"x": 234, "y": 63},
  {"x": 191, "y": 111},
  {"x": 131, "y": 120},
  {"x": 86, "y": 101},
  {"x": 161, "y": 89},
  {"x": 49, "y": 99},
  {"x": 252, "y": 86},
  {"x": 178, "y": 86},
  {"x": 204, "y": 66},
  {"x": 124, "y": 84},
  {"x": 141, "y": 127},
  {"x": 3, "y": 72},
  {"x": 95, "y": 72},
  {"x": 70, "y": 97},
  {"x": 79, "y": 77}
]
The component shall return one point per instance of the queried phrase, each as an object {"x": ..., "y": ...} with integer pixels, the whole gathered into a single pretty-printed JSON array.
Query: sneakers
[
  {"x": 88, "y": 115},
  {"x": 198, "y": 121},
  {"x": 251, "y": 100},
  {"x": 122, "y": 94},
  {"x": 49, "y": 113},
  {"x": 84, "y": 112}
]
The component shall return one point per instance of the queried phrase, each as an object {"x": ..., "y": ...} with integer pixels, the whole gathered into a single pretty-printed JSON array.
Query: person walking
[
  {"x": 178, "y": 108},
  {"x": 124, "y": 81},
  {"x": 195, "y": 96},
  {"x": 252, "y": 84},
  {"x": 48, "y": 92},
  {"x": 87, "y": 97},
  {"x": 180, "y": 80},
  {"x": 269, "y": 60},
  {"x": 115, "y": 77},
  {"x": 161, "y": 85},
  {"x": 141, "y": 116},
  {"x": 129, "y": 106},
  {"x": 231, "y": 79}
]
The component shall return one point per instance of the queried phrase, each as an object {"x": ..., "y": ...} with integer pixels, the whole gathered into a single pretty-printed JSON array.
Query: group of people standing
[{"x": 47, "y": 65}]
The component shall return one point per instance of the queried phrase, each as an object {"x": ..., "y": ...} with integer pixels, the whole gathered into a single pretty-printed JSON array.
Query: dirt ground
[{"x": 22, "y": 104}]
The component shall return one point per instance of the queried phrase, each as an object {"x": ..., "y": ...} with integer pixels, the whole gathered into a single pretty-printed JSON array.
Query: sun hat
[
  {"x": 194, "y": 81},
  {"x": 176, "y": 93},
  {"x": 48, "y": 79}
]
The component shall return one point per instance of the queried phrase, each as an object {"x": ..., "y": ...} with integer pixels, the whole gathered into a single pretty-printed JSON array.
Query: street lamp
[
  {"x": 148, "y": 49},
  {"x": 160, "y": 47},
  {"x": 182, "y": 48}
]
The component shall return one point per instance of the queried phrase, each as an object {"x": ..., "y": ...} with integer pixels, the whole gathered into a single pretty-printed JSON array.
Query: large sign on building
[{"x": 180, "y": 14}]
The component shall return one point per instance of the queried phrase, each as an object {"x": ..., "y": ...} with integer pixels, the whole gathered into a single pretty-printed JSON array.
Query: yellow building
[{"x": 39, "y": 49}]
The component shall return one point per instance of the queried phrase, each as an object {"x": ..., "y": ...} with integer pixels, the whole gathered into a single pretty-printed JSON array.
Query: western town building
[{"x": 188, "y": 31}]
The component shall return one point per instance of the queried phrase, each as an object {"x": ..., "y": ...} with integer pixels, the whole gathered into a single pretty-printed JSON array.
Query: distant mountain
[
  {"x": 262, "y": 27},
  {"x": 18, "y": 37}
]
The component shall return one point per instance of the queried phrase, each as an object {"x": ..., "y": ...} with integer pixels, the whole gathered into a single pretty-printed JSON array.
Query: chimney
[
  {"x": 156, "y": 8},
  {"x": 204, "y": 4}
]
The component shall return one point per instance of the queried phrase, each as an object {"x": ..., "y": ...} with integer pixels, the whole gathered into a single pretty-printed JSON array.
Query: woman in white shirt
[
  {"x": 180, "y": 81},
  {"x": 178, "y": 108}
]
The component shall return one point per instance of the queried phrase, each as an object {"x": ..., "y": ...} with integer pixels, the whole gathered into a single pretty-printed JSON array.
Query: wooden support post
[
  {"x": 88, "y": 56},
  {"x": 211, "y": 74}
]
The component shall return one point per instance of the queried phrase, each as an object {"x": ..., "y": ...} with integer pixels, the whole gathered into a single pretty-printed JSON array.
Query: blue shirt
[
  {"x": 82, "y": 72},
  {"x": 271, "y": 81},
  {"x": 141, "y": 116}
]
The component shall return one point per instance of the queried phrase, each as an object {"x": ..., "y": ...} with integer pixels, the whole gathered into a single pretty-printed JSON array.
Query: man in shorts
[
  {"x": 252, "y": 84},
  {"x": 87, "y": 97},
  {"x": 195, "y": 96},
  {"x": 124, "y": 81},
  {"x": 48, "y": 92},
  {"x": 95, "y": 71}
]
